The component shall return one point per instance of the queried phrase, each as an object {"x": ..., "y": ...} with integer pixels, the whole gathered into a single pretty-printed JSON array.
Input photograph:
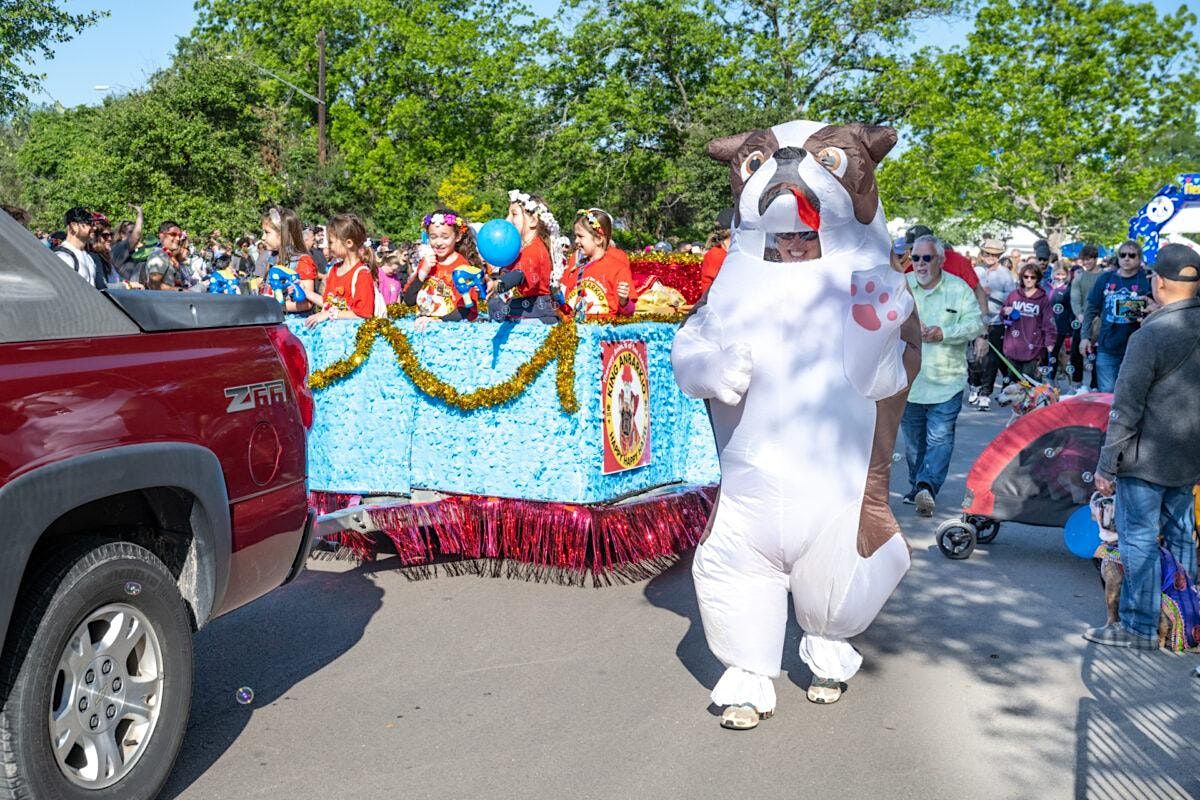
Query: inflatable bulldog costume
[{"x": 805, "y": 346}]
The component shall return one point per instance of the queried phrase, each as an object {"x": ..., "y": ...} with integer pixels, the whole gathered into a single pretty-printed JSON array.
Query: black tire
[
  {"x": 956, "y": 539},
  {"x": 84, "y": 576},
  {"x": 986, "y": 531}
]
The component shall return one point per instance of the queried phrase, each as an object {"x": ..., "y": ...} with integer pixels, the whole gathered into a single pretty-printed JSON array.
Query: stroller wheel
[
  {"x": 956, "y": 539},
  {"x": 986, "y": 530}
]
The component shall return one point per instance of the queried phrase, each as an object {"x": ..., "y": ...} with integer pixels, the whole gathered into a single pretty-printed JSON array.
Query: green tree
[
  {"x": 193, "y": 147},
  {"x": 459, "y": 190},
  {"x": 636, "y": 89},
  {"x": 413, "y": 87},
  {"x": 1056, "y": 115},
  {"x": 29, "y": 28}
]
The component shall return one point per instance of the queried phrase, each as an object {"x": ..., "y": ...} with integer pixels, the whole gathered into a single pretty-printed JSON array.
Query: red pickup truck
[{"x": 152, "y": 477}]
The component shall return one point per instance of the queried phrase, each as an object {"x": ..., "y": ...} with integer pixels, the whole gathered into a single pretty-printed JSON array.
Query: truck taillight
[{"x": 295, "y": 363}]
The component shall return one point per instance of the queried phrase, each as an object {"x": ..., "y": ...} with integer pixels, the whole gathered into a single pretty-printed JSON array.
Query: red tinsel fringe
[
  {"x": 684, "y": 276},
  {"x": 557, "y": 541}
]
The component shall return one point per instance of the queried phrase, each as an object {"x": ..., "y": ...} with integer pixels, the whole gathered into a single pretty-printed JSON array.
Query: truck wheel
[{"x": 96, "y": 677}]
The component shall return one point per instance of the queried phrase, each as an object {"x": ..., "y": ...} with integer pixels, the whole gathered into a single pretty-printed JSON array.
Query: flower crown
[
  {"x": 592, "y": 216},
  {"x": 451, "y": 219}
]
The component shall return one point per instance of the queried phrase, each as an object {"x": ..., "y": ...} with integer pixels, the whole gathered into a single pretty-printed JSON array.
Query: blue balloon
[
  {"x": 1081, "y": 533},
  {"x": 499, "y": 243}
]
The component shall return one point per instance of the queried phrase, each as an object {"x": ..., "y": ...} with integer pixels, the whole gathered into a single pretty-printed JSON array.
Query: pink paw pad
[{"x": 867, "y": 314}]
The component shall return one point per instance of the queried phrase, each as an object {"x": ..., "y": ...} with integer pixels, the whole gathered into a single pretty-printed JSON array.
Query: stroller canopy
[{"x": 1039, "y": 469}]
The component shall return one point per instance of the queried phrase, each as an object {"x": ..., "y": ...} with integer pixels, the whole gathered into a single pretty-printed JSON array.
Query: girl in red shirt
[
  {"x": 448, "y": 286},
  {"x": 349, "y": 286},
  {"x": 718, "y": 248},
  {"x": 527, "y": 281},
  {"x": 598, "y": 281},
  {"x": 289, "y": 263}
]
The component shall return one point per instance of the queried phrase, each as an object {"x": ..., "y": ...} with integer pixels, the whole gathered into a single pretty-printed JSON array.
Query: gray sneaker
[
  {"x": 1115, "y": 635},
  {"x": 924, "y": 502}
]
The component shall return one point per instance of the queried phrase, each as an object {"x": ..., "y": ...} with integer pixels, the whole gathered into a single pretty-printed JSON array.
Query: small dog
[{"x": 1112, "y": 574}]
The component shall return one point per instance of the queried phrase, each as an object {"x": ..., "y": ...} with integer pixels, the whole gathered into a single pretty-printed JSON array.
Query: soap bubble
[
  {"x": 133, "y": 588},
  {"x": 245, "y": 695},
  {"x": 1058, "y": 308},
  {"x": 1113, "y": 414},
  {"x": 1050, "y": 452},
  {"x": 1075, "y": 324},
  {"x": 1087, "y": 477},
  {"x": 1016, "y": 334},
  {"x": 895, "y": 457}
]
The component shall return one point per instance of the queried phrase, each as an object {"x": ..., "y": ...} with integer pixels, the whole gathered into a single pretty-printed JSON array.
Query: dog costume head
[{"x": 806, "y": 176}]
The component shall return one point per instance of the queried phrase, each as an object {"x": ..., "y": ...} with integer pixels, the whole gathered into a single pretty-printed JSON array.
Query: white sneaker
[
  {"x": 984, "y": 404},
  {"x": 973, "y": 397}
]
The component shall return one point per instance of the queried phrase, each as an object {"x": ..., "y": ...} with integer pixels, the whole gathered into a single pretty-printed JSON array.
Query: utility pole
[{"x": 321, "y": 95}]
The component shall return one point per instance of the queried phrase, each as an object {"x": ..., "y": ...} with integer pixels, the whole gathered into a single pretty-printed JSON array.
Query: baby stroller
[{"x": 1038, "y": 471}]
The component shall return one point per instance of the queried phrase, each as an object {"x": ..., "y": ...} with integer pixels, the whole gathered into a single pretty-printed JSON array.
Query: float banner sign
[{"x": 625, "y": 405}]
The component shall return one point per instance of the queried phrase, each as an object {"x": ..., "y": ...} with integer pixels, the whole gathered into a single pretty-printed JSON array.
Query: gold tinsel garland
[{"x": 560, "y": 346}]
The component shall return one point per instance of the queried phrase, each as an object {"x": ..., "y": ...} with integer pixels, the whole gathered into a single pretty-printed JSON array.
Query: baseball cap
[
  {"x": 78, "y": 214},
  {"x": 1177, "y": 262},
  {"x": 916, "y": 232},
  {"x": 898, "y": 245},
  {"x": 992, "y": 247}
]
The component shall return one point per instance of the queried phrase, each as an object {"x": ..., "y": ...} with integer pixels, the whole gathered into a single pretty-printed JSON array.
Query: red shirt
[
  {"x": 711, "y": 265},
  {"x": 534, "y": 262},
  {"x": 439, "y": 297},
  {"x": 598, "y": 285},
  {"x": 359, "y": 297},
  {"x": 958, "y": 265},
  {"x": 306, "y": 268}
]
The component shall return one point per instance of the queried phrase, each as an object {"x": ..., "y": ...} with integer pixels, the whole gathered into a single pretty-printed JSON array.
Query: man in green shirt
[{"x": 950, "y": 318}]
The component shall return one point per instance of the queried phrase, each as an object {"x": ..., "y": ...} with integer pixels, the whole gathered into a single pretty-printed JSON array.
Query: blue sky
[{"x": 138, "y": 38}]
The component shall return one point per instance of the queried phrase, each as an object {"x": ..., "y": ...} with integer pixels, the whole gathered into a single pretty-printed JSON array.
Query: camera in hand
[{"x": 1131, "y": 308}]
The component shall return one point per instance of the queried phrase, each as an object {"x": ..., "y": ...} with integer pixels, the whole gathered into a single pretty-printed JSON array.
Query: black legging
[{"x": 991, "y": 362}]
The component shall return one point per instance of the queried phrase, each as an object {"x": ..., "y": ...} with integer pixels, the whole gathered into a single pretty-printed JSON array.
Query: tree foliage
[
  {"x": 1060, "y": 115},
  {"x": 194, "y": 146},
  {"x": 29, "y": 28}
]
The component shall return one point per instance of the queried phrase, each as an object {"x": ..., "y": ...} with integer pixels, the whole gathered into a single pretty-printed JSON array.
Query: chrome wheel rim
[{"x": 106, "y": 696}]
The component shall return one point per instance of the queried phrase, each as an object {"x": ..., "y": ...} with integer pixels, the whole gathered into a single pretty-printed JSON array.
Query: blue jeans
[
  {"x": 1144, "y": 511},
  {"x": 1107, "y": 367},
  {"x": 929, "y": 440}
]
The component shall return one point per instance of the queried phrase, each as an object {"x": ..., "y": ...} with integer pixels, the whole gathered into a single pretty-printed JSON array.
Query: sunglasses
[
  {"x": 1029, "y": 277},
  {"x": 173, "y": 233},
  {"x": 800, "y": 236},
  {"x": 927, "y": 258},
  {"x": 1127, "y": 255}
]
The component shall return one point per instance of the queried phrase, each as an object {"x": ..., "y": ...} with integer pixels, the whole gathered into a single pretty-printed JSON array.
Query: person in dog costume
[{"x": 805, "y": 398}]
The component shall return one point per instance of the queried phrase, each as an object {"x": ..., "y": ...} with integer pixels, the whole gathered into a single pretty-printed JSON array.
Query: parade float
[{"x": 558, "y": 452}]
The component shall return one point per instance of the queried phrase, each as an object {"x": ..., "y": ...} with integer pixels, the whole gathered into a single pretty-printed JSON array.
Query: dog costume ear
[
  {"x": 878, "y": 139},
  {"x": 725, "y": 148}
]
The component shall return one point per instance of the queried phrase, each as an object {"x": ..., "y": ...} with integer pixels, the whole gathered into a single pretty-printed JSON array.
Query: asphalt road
[{"x": 976, "y": 683}]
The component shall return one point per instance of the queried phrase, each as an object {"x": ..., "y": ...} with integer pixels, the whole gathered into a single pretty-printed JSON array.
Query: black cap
[
  {"x": 1041, "y": 249},
  {"x": 725, "y": 219},
  {"x": 916, "y": 232},
  {"x": 1177, "y": 262},
  {"x": 78, "y": 214},
  {"x": 1089, "y": 251}
]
